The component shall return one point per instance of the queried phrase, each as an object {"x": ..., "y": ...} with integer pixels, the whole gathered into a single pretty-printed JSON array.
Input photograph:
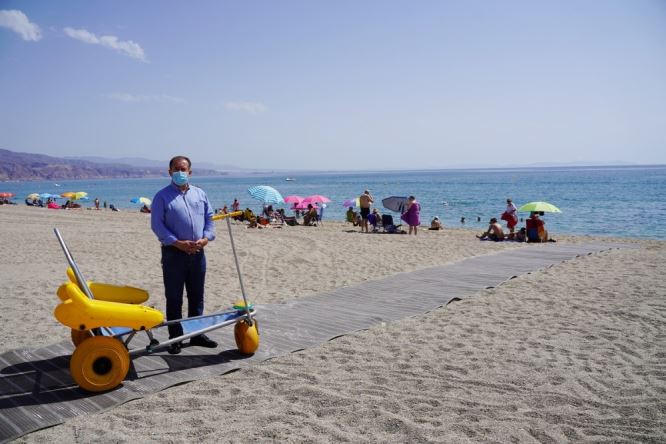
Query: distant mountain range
[
  {"x": 29, "y": 166},
  {"x": 149, "y": 163}
]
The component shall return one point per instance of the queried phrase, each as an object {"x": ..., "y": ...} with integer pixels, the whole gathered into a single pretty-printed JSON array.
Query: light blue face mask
[{"x": 180, "y": 178}]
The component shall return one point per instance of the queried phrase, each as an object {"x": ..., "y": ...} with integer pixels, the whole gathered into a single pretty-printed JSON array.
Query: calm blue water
[{"x": 607, "y": 201}]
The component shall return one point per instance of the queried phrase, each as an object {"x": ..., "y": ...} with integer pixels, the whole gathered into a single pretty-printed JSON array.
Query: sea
[{"x": 626, "y": 201}]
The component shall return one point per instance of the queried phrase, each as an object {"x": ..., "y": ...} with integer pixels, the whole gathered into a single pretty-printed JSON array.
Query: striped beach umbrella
[{"x": 266, "y": 194}]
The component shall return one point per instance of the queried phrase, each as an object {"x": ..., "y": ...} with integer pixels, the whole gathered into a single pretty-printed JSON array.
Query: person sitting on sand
[
  {"x": 436, "y": 224},
  {"x": 310, "y": 217},
  {"x": 378, "y": 215},
  {"x": 521, "y": 235},
  {"x": 145, "y": 209},
  {"x": 374, "y": 219},
  {"x": 494, "y": 232},
  {"x": 350, "y": 215},
  {"x": 535, "y": 227},
  {"x": 268, "y": 212}
]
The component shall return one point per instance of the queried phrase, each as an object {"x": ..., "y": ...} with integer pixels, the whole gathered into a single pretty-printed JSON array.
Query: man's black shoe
[
  {"x": 203, "y": 341},
  {"x": 174, "y": 348}
]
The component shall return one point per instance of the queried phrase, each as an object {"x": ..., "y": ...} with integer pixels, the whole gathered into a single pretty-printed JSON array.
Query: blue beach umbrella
[{"x": 266, "y": 194}]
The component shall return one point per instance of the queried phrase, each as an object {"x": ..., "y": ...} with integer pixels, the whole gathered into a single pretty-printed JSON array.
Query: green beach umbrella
[{"x": 539, "y": 206}]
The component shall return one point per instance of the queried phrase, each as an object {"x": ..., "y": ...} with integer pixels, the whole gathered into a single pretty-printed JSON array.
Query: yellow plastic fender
[
  {"x": 247, "y": 336},
  {"x": 112, "y": 293},
  {"x": 78, "y": 312}
]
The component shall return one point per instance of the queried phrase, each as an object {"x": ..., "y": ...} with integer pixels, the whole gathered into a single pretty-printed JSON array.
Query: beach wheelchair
[{"x": 105, "y": 318}]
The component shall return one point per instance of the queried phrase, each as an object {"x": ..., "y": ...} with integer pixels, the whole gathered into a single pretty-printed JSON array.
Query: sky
[{"x": 341, "y": 85}]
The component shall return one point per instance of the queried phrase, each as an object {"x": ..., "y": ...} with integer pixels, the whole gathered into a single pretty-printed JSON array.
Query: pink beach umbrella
[
  {"x": 293, "y": 199},
  {"x": 300, "y": 206},
  {"x": 316, "y": 198}
]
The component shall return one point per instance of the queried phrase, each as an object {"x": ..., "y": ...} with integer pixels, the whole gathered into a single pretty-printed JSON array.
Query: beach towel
[
  {"x": 510, "y": 218},
  {"x": 412, "y": 215}
]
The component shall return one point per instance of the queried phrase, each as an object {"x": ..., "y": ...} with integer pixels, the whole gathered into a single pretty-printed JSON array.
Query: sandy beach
[{"x": 575, "y": 352}]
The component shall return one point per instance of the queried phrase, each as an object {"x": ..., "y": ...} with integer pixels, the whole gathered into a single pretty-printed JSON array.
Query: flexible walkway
[{"x": 37, "y": 391}]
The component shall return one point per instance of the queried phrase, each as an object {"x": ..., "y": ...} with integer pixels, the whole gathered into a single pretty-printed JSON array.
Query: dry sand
[{"x": 576, "y": 352}]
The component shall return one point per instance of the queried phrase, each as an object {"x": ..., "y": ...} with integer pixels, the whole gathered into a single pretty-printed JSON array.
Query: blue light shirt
[{"x": 178, "y": 215}]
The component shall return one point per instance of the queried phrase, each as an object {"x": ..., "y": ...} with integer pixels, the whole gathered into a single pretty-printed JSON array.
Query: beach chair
[
  {"x": 388, "y": 226},
  {"x": 374, "y": 221},
  {"x": 320, "y": 215}
]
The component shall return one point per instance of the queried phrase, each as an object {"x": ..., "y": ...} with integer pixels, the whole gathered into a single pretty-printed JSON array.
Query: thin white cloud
[
  {"x": 19, "y": 23},
  {"x": 124, "y": 47},
  {"x": 159, "y": 98},
  {"x": 247, "y": 107}
]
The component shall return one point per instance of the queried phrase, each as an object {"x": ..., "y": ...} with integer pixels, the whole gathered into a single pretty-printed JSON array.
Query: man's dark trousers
[{"x": 181, "y": 270}]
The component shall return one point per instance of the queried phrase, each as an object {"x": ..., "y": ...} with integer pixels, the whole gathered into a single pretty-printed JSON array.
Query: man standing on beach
[
  {"x": 365, "y": 200},
  {"x": 182, "y": 219}
]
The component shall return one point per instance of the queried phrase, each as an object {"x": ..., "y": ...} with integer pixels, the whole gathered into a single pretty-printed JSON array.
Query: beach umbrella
[
  {"x": 293, "y": 199},
  {"x": 141, "y": 200},
  {"x": 74, "y": 195},
  {"x": 356, "y": 202},
  {"x": 539, "y": 207},
  {"x": 33, "y": 196},
  {"x": 6, "y": 194},
  {"x": 47, "y": 195},
  {"x": 300, "y": 206},
  {"x": 316, "y": 198},
  {"x": 266, "y": 194},
  {"x": 395, "y": 203}
]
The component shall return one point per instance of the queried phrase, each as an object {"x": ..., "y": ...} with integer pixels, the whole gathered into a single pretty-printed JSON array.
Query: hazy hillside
[{"x": 28, "y": 166}]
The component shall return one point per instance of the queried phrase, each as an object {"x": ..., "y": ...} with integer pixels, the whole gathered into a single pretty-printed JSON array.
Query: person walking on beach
[
  {"x": 365, "y": 201},
  {"x": 182, "y": 220},
  {"x": 412, "y": 215},
  {"x": 97, "y": 203},
  {"x": 510, "y": 215}
]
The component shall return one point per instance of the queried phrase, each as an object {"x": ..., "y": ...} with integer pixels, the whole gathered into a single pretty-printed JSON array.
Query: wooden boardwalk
[{"x": 37, "y": 391}]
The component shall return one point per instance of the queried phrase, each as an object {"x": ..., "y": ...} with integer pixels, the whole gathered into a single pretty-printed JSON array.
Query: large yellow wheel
[
  {"x": 247, "y": 336},
  {"x": 78, "y": 336},
  {"x": 99, "y": 363}
]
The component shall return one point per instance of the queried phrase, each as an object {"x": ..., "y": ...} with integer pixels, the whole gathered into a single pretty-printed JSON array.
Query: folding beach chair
[{"x": 388, "y": 225}]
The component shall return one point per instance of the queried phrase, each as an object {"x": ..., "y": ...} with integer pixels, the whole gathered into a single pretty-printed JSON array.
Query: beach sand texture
[{"x": 575, "y": 352}]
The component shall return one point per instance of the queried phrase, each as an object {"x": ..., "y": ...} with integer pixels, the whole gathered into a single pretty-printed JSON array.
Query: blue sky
[{"x": 337, "y": 84}]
